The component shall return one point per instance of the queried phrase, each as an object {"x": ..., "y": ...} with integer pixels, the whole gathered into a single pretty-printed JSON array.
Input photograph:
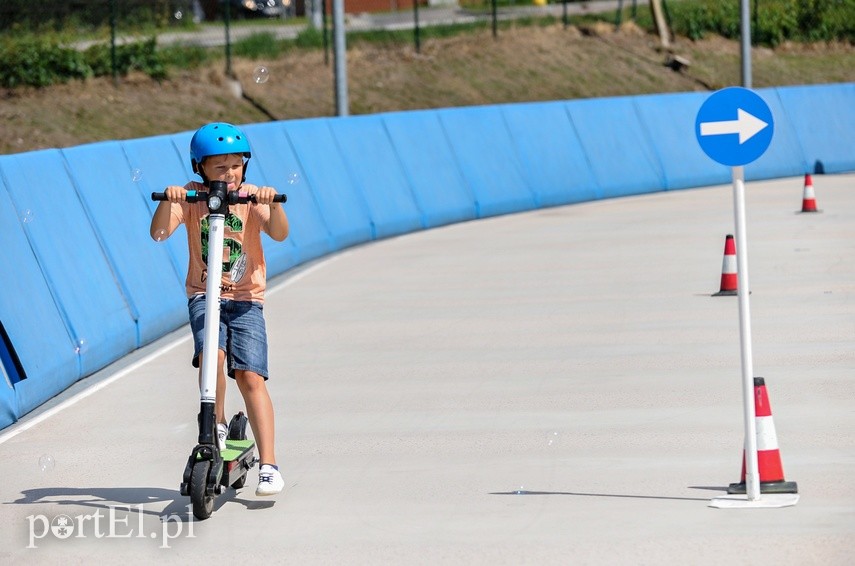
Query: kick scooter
[{"x": 209, "y": 471}]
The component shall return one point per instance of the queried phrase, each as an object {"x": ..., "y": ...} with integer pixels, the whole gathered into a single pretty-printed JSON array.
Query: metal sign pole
[
  {"x": 752, "y": 482},
  {"x": 340, "y": 59},
  {"x": 745, "y": 42}
]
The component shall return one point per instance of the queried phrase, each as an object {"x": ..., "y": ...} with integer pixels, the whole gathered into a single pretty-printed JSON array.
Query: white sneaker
[
  {"x": 270, "y": 481},
  {"x": 222, "y": 434}
]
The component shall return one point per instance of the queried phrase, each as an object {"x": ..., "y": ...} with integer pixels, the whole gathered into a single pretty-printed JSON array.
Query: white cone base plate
[{"x": 766, "y": 501}]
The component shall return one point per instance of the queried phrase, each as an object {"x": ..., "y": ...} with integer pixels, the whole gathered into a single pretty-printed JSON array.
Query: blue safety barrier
[
  {"x": 120, "y": 216},
  {"x": 484, "y": 152},
  {"x": 619, "y": 149},
  {"x": 90, "y": 285},
  {"x": 683, "y": 163},
  {"x": 28, "y": 312},
  {"x": 341, "y": 204},
  {"x": 372, "y": 165},
  {"x": 427, "y": 161},
  {"x": 9, "y": 376},
  {"x": 823, "y": 120},
  {"x": 72, "y": 258},
  {"x": 550, "y": 153}
]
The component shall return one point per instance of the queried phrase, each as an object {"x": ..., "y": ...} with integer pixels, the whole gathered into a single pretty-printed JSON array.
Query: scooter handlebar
[{"x": 235, "y": 197}]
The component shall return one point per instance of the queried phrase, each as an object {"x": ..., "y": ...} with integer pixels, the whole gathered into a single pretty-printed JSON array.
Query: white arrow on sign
[{"x": 746, "y": 125}]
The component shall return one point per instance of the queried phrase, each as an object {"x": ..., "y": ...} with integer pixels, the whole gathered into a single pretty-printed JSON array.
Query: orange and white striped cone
[
  {"x": 768, "y": 455},
  {"x": 728, "y": 269},
  {"x": 809, "y": 198}
]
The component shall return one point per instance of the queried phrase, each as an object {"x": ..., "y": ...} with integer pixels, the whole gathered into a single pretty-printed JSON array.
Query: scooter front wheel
[{"x": 203, "y": 503}]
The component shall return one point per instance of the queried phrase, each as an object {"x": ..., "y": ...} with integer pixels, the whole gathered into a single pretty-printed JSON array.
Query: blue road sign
[{"x": 734, "y": 126}]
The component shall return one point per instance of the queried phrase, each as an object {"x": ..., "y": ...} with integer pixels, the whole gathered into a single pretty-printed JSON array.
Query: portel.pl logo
[{"x": 117, "y": 522}]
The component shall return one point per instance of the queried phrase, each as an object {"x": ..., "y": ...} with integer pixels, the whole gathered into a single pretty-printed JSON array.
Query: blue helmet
[{"x": 217, "y": 138}]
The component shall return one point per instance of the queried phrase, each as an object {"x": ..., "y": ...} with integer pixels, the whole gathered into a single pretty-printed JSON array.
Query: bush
[
  {"x": 772, "y": 21},
  {"x": 43, "y": 61},
  {"x": 139, "y": 56},
  {"x": 38, "y": 61}
]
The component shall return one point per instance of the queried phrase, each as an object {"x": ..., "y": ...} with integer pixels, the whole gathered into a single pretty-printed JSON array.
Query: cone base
[
  {"x": 808, "y": 211},
  {"x": 725, "y": 294},
  {"x": 766, "y": 487}
]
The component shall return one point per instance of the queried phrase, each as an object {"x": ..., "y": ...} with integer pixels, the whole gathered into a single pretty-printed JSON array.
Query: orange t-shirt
[{"x": 244, "y": 268}]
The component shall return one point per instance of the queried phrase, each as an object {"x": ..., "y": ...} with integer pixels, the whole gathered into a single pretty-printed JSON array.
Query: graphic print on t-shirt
[{"x": 232, "y": 249}]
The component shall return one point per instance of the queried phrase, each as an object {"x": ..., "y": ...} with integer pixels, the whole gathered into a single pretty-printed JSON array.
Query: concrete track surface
[{"x": 551, "y": 387}]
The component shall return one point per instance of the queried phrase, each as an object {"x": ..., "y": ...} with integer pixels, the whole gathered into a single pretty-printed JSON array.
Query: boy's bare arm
[
  {"x": 277, "y": 225},
  {"x": 163, "y": 224}
]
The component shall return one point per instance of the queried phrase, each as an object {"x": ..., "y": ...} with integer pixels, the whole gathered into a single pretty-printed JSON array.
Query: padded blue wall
[
  {"x": 484, "y": 153},
  {"x": 822, "y": 119},
  {"x": 72, "y": 259},
  {"x": 90, "y": 285},
  {"x": 427, "y": 161}
]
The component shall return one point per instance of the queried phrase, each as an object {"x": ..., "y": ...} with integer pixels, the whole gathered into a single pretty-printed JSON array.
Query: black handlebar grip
[
  {"x": 251, "y": 198},
  {"x": 158, "y": 196}
]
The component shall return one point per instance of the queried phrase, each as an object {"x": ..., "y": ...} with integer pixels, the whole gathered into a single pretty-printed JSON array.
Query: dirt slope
[{"x": 522, "y": 64}]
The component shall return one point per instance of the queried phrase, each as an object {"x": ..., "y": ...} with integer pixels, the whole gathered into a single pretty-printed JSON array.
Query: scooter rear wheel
[
  {"x": 240, "y": 483},
  {"x": 203, "y": 504}
]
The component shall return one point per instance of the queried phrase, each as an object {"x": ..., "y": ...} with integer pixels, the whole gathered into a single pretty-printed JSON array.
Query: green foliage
[
  {"x": 85, "y": 16},
  {"x": 185, "y": 56},
  {"x": 258, "y": 46},
  {"x": 772, "y": 21},
  {"x": 42, "y": 61},
  {"x": 309, "y": 38},
  {"x": 39, "y": 61},
  {"x": 140, "y": 56}
]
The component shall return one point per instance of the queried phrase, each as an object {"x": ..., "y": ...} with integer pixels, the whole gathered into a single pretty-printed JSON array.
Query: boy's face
[{"x": 228, "y": 168}]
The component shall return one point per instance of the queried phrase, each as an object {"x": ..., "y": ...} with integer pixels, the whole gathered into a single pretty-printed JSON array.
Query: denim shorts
[{"x": 243, "y": 335}]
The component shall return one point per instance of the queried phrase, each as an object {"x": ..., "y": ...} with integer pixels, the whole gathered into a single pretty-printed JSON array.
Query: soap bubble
[
  {"x": 136, "y": 175},
  {"x": 160, "y": 235},
  {"x": 81, "y": 346},
  {"x": 27, "y": 216},
  {"x": 293, "y": 178},
  {"x": 46, "y": 463},
  {"x": 260, "y": 75},
  {"x": 552, "y": 438}
]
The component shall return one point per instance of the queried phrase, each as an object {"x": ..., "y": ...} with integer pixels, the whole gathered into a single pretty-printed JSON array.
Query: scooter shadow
[{"x": 136, "y": 498}]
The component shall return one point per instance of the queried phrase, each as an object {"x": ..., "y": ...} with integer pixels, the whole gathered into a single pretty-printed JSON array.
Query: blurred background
[{"x": 74, "y": 71}]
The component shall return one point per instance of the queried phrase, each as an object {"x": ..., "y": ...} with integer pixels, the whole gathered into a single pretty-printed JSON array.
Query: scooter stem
[{"x": 208, "y": 383}]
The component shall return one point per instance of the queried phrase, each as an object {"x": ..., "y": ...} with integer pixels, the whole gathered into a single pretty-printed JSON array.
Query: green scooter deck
[
  {"x": 238, "y": 458},
  {"x": 236, "y": 448}
]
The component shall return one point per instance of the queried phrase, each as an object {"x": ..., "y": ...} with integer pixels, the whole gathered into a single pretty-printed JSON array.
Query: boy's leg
[{"x": 259, "y": 409}]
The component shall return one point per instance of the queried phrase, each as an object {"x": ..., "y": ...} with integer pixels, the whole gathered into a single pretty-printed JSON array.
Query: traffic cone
[
  {"x": 809, "y": 198},
  {"x": 728, "y": 269},
  {"x": 768, "y": 455}
]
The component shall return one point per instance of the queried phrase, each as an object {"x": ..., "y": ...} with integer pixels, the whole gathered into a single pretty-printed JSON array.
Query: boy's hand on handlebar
[
  {"x": 175, "y": 193},
  {"x": 265, "y": 195}
]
